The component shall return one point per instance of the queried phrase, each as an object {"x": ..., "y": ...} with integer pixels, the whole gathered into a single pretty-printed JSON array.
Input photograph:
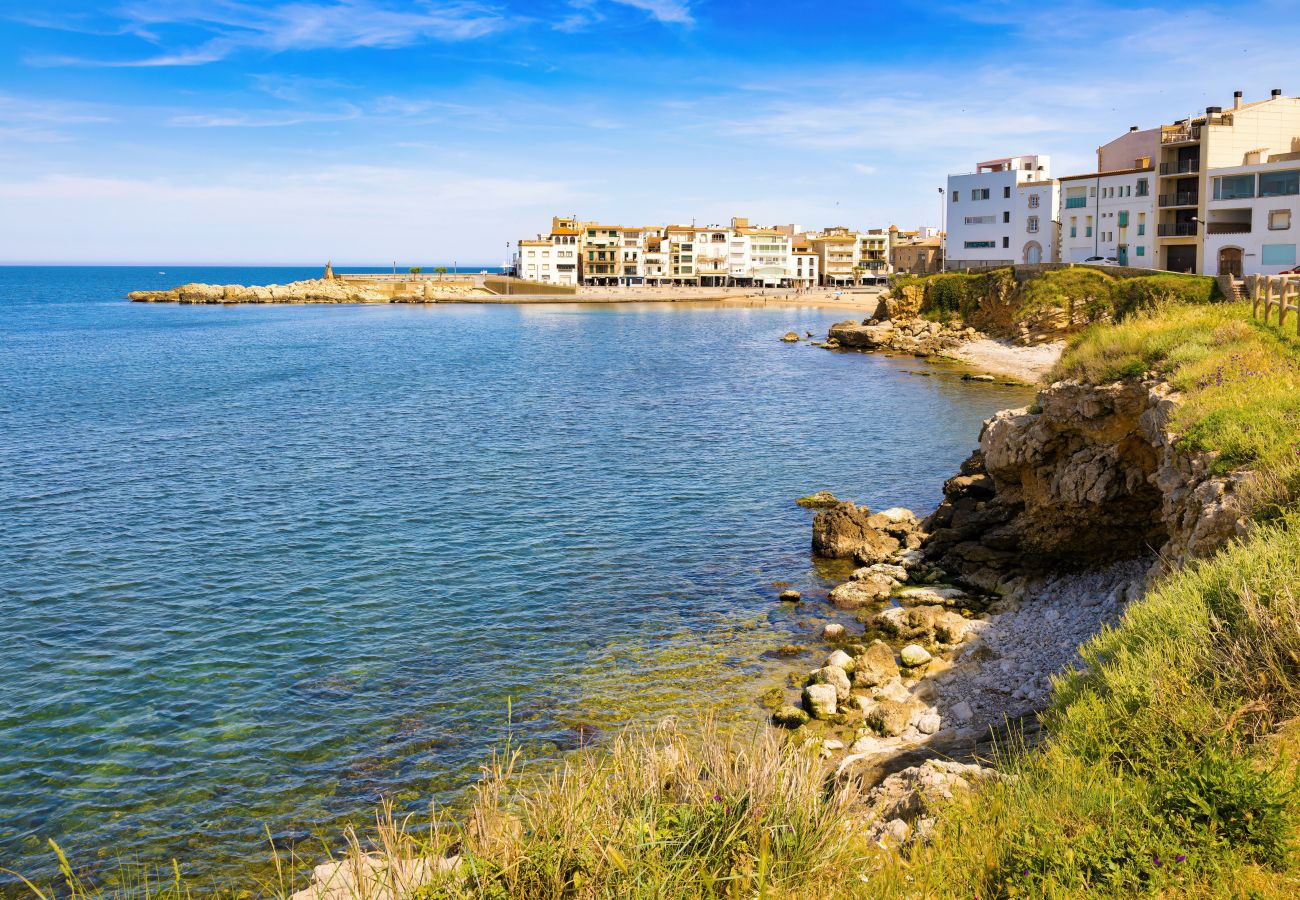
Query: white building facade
[
  {"x": 1109, "y": 214},
  {"x": 991, "y": 210},
  {"x": 1253, "y": 218}
]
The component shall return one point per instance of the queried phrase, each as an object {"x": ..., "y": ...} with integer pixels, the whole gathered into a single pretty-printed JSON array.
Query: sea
[{"x": 265, "y": 567}]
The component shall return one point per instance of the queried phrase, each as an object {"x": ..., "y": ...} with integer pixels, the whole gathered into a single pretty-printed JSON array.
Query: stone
[
  {"x": 832, "y": 744},
  {"x": 832, "y": 631},
  {"x": 790, "y": 717},
  {"x": 789, "y": 596},
  {"x": 961, "y": 713},
  {"x": 820, "y": 700},
  {"x": 843, "y": 532},
  {"x": 896, "y": 573},
  {"x": 889, "y": 717},
  {"x": 790, "y": 337},
  {"x": 953, "y": 629},
  {"x": 857, "y": 594},
  {"x": 928, "y": 723},
  {"x": 875, "y": 665},
  {"x": 840, "y": 660},
  {"x": 836, "y": 678},
  {"x": 895, "y": 690},
  {"x": 919, "y": 791},
  {"x": 819, "y": 500},
  {"x": 914, "y": 655}
]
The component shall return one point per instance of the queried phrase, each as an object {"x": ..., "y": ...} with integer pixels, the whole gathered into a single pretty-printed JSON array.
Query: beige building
[
  {"x": 1191, "y": 149},
  {"x": 915, "y": 253}
]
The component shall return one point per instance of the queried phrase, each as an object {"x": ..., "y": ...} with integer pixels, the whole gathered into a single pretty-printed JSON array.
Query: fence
[{"x": 1268, "y": 292}]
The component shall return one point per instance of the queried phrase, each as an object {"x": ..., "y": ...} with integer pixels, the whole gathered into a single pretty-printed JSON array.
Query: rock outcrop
[
  {"x": 1088, "y": 476},
  {"x": 315, "y": 291},
  {"x": 919, "y": 337},
  {"x": 849, "y": 531}
]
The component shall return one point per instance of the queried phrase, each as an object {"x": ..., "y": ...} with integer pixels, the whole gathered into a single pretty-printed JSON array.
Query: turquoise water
[{"x": 262, "y": 566}]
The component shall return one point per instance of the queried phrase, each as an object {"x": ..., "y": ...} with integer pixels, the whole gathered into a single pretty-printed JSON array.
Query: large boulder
[{"x": 843, "y": 530}]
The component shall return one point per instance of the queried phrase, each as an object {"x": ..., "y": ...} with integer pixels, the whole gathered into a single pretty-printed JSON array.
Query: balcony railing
[
  {"x": 1181, "y": 198},
  {"x": 1177, "y": 229},
  {"x": 1227, "y": 228},
  {"x": 1182, "y": 167},
  {"x": 1180, "y": 134},
  {"x": 1076, "y": 202}
]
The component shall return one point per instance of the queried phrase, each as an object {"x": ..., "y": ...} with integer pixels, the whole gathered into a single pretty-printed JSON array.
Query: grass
[
  {"x": 995, "y": 302},
  {"x": 1240, "y": 380}
]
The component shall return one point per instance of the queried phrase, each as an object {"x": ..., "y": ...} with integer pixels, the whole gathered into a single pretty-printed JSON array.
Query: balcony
[
  {"x": 1181, "y": 198},
  {"x": 1227, "y": 228},
  {"x": 1076, "y": 202},
  {"x": 1182, "y": 167},
  {"x": 1177, "y": 229},
  {"x": 1180, "y": 134}
]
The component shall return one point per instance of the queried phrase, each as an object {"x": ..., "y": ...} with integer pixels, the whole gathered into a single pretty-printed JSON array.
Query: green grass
[{"x": 1240, "y": 381}]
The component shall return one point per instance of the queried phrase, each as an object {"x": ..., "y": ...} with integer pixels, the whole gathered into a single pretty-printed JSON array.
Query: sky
[{"x": 367, "y": 131}]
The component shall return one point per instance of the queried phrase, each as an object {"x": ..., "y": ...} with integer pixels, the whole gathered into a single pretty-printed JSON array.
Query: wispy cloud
[
  {"x": 283, "y": 27},
  {"x": 674, "y": 12}
]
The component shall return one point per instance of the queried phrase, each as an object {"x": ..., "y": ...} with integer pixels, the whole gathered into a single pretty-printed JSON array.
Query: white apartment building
[
  {"x": 806, "y": 272},
  {"x": 1002, "y": 213},
  {"x": 1253, "y": 217},
  {"x": 1109, "y": 215}
]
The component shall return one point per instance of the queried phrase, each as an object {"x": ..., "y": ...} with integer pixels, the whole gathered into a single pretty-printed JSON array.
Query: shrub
[{"x": 1150, "y": 292}]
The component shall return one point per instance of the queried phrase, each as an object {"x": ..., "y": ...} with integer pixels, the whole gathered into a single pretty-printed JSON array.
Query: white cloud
[
  {"x": 674, "y": 12},
  {"x": 276, "y": 28},
  {"x": 357, "y": 213},
  {"x": 864, "y": 169}
]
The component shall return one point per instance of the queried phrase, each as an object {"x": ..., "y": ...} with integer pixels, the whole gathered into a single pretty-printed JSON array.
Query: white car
[{"x": 1101, "y": 261}]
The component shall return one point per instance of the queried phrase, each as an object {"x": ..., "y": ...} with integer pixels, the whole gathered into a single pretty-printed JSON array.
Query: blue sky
[{"x": 363, "y": 130}]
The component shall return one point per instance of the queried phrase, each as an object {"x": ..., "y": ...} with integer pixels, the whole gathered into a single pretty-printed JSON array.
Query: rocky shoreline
[
  {"x": 1064, "y": 515},
  {"x": 322, "y": 290},
  {"x": 951, "y": 628}
]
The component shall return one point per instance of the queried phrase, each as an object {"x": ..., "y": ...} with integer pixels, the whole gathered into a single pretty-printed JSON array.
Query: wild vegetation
[{"x": 998, "y": 302}]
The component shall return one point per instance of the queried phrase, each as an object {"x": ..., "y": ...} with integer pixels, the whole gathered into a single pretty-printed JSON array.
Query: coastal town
[{"x": 1211, "y": 194}]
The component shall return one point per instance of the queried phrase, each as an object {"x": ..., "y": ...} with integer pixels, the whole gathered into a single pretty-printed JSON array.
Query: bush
[{"x": 1150, "y": 292}]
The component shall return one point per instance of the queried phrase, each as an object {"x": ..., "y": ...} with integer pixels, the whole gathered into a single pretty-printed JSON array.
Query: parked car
[
  {"x": 1101, "y": 261},
  {"x": 1295, "y": 271}
]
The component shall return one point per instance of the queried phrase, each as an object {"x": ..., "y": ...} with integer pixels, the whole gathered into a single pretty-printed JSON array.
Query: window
[
  {"x": 1006, "y": 242},
  {"x": 1142, "y": 223},
  {"x": 956, "y": 195},
  {"x": 1088, "y": 227},
  {"x": 1234, "y": 187},
  {"x": 1141, "y": 250},
  {"x": 980, "y": 220},
  {"x": 1279, "y": 220},
  {"x": 1092, "y": 191},
  {"x": 979, "y": 194},
  {"x": 1279, "y": 184},
  {"x": 1033, "y": 201},
  {"x": 1074, "y": 226},
  {"x": 1277, "y": 254},
  {"x": 977, "y": 245},
  {"x": 1006, "y": 193},
  {"x": 1032, "y": 225},
  {"x": 1143, "y": 190},
  {"x": 1006, "y": 216}
]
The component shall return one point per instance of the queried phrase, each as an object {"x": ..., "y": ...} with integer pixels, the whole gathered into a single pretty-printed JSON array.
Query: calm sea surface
[{"x": 262, "y": 566}]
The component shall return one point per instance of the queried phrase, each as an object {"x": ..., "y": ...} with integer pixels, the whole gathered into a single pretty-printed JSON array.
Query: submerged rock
[
  {"x": 819, "y": 500},
  {"x": 790, "y": 717},
  {"x": 790, "y": 337},
  {"x": 844, "y": 531},
  {"x": 789, "y": 596}
]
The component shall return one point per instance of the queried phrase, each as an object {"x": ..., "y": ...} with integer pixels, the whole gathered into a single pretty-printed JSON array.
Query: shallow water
[{"x": 260, "y": 566}]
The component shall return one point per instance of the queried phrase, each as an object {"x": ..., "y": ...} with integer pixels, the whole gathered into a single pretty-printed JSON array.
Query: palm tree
[{"x": 416, "y": 270}]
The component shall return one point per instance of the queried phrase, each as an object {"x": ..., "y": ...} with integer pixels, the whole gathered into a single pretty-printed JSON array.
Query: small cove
[{"x": 262, "y": 566}]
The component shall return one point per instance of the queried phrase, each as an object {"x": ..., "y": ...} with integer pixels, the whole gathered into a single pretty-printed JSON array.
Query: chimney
[
  {"x": 1277, "y": 92},
  {"x": 1132, "y": 128},
  {"x": 1213, "y": 110},
  {"x": 1236, "y": 99}
]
